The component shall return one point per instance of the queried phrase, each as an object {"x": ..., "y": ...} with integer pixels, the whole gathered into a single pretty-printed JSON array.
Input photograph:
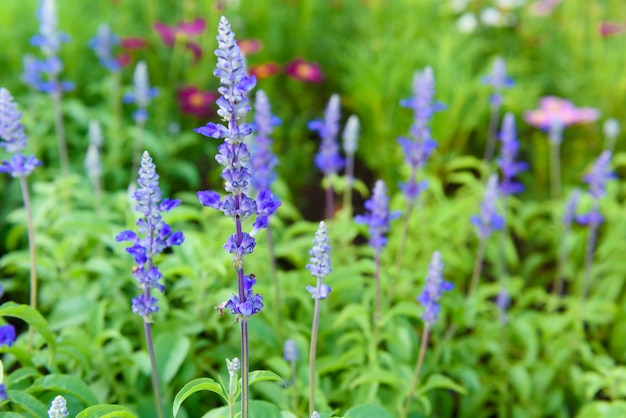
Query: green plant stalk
[
  {"x": 330, "y": 200},
  {"x": 313, "y": 348},
  {"x": 405, "y": 232},
  {"x": 31, "y": 248},
  {"x": 377, "y": 310},
  {"x": 137, "y": 149},
  {"x": 231, "y": 393},
  {"x": 60, "y": 129},
  {"x": 347, "y": 193},
  {"x": 555, "y": 170},
  {"x": 478, "y": 266},
  {"x": 563, "y": 255},
  {"x": 492, "y": 133},
  {"x": 274, "y": 271},
  {"x": 418, "y": 369},
  {"x": 155, "y": 378},
  {"x": 294, "y": 391},
  {"x": 176, "y": 61},
  {"x": 245, "y": 361},
  {"x": 504, "y": 273},
  {"x": 591, "y": 242}
]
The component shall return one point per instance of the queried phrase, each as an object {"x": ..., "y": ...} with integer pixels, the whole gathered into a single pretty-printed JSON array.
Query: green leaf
[
  {"x": 197, "y": 385},
  {"x": 32, "y": 318},
  {"x": 21, "y": 374},
  {"x": 65, "y": 384},
  {"x": 170, "y": 351},
  {"x": 28, "y": 403},
  {"x": 262, "y": 376},
  {"x": 258, "y": 409},
  {"x": 368, "y": 411},
  {"x": 107, "y": 411},
  {"x": 439, "y": 381}
]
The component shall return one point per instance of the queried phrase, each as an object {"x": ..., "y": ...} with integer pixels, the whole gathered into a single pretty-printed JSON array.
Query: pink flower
[
  {"x": 194, "y": 101},
  {"x": 181, "y": 33},
  {"x": 266, "y": 70},
  {"x": 301, "y": 70},
  {"x": 249, "y": 46},
  {"x": 611, "y": 28},
  {"x": 133, "y": 43},
  {"x": 553, "y": 109},
  {"x": 544, "y": 7}
]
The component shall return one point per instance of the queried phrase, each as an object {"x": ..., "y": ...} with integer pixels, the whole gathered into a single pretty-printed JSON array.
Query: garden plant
[{"x": 346, "y": 208}]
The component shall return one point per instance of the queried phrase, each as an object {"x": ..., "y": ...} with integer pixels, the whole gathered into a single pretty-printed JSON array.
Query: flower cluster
[
  {"x": 378, "y": 217},
  {"x": 319, "y": 264},
  {"x": 433, "y": 290},
  {"x": 7, "y": 335},
  {"x": 13, "y": 138},
  {"x": 182, "y": 32},
  {"x": 597, "y": 179},
  {"x": 102, "y": 45},
  {"x": 49, "y": 40},
  {"x": 153, "y": 237},
  {"x": 58, "y": 408},
  {"x": 262, "y": 160},
  {"x": 498, "y": 80},
  {"x": 509, "y": 167},
  {"x": 553, "y": 110},
  {"x": 233, "y": 154},
  {"x": 142, "y": 92},
  {"x": 489, "y": 219},
  {"x": 328, "y": 159},
  {"x": 420, "y": 145}
]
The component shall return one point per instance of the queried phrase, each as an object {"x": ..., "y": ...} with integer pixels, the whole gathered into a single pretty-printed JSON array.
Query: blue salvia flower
[
  {"x": 499, "y": 80},
  {"x": 31, "y": 75},
  {"x": 262, "y": 160},
  {"x": 93, "y": 164},
  {"x": 3, "y": 392},
  {"x": 290, "y": 351},
  {"x": 102, "y": 45},
  {"x": 319, "y": 264},
  {"x": 233, "y": 154},
  {"x": 509, "y": 167},
  {"x": 7, "y": 335},
  {"x": 58, "y": 408},
  {"x": 13, "y": 138},
  {"x": 49, "y": 39},
  {"x": 433, "y": 290},
  {"x": 420, "y": 145},
  {"x": 489, "y": 219},
  {"x": 378, "y": 217},
  {"x": 570, "y": 208},
  {"x": 351, "y": 135},
  {"x": 597, "y": 179},
  {"x": 153, "y": 237},
  {"x": 328, "y": 160},
  {"x": 142, "y": 93}
]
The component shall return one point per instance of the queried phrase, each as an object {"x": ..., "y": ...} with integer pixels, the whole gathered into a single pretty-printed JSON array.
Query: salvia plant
[
  {"x": 328, "y": 160},
  {"x": 233, "y": 154},
  {"x": 153, "y": 236},
  {"x": 498, "y": 80},
  {"x": 568, "y": 218}
]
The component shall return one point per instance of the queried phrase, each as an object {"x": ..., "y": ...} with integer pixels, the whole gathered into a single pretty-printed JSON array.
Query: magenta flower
[
  {"x": 194, "y": 101},
  {"x": 555, "y": 110},
  {"x": 611, "y": 28},
  {"x": 302, "y": 70},
  {"x": 181, "y": 33}
]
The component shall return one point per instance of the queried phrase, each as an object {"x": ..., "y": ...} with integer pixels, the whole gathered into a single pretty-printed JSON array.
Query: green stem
[
  {"x": 418, "y": 369},
  {"x": 347, "y": 195},
  {"x": 245, "y": 367},
  {"x": 31, "y": 249},
  {"x": 312, "y": 351},
  {"x": 60, "y": 130},
  {"x": 137, "y": 149},
  {"x": 277, "y": 299},
  {"x": 555, "y": 170},
  {"x": 478, "y": 265},
  {"x": 593, "y": 231},
  {"x": 330, "y": 201},
  {"x": 492, "y": 134},
  {"x": 155, "y": 378}
]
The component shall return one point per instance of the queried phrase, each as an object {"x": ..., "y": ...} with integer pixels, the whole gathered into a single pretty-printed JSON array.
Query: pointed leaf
[
  {"x": 439, "y": 381},
  {"x": 197, "y": 385},
  {"x": 65, "y": 384},
  {"x": 368, "y": 411},
  {"x": 32, "y": 318},
  {"x": 107, "y": 411},
  {"x": 31, "y": 405}
]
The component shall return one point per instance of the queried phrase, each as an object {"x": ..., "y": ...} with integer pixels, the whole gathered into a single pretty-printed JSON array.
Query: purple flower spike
[
  {"x": 102, "y": 45},
  {"x": 319, "y": 264},
  {"x": 433, "y": 290},
  {"x": 263, "y": 161},
  {"x": 499, "y": 80},
  {"x": 291, "y": 351},
  {"x": 328, "y": 159},
  {"x": 597, "y": 179},
  {"x": 142, "y": 93},
  {"x": 378, "y": 217},
  {"x": 570, "y": 208},
  {"x": 489, "y": 220},
  {"x": 153, "y": 237},
  {"x": 509, "y": 167},
  {"x": 13, "y": 139}
]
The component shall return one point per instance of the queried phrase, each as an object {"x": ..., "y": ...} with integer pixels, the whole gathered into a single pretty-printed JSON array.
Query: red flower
[
  {"x": 261, "y": 71},
  {"x": 196, "y": 102},
  {"x": 180, "y": 33},
  {"x": 611, "y": 28},
  {"x": 133, "y": 43},
  {"x": 301, "y": 70},
  {"x": 249, "y": 46}
]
